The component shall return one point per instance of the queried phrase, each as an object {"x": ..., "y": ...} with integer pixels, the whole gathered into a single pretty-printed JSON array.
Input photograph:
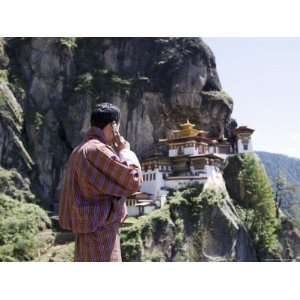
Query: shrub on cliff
[
  {"x": 145, "y": 233},
  {"x": 20, "y": 225}
]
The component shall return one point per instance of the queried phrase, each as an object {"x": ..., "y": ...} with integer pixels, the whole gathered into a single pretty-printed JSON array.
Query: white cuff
[{"x": 130, "y": 157}]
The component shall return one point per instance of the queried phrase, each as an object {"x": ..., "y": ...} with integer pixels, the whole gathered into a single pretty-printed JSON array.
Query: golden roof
[{"x": 187, "y": 130}]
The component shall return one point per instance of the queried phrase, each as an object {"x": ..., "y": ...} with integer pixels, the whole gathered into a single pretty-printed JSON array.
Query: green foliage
[
  {"x": 11, "y": 112},
  {"x": 35, "y": 119},
  {"x": 102, "y": 81},
  {"x": 154, "y": 256},
  {"x": 2, "y": 100},
  {"x": 288, "y": 168},
  {"x": 284, "y": 191},
  {"x": 58, "y": 253},
  {"x": 84, "y": 83},
  {"x": 1, "y": 46},
  {"x": 38, "y": 121},
  {"x": 195, "y": 252},
  {"x": 107, "y": 80},
  {"x": 68, "y": 42},
  {"x": 17, "y": 86},
  {"x": 4, "y": 60},
  {"x": 246, "y": 215},
  {"x": 131, "y": 243},
  {"x": 3, "y": 76},
  {"x": 191, "y": 211},
  {"x": 157, "y": 222},
  {"x": 11, "y": 184},
  {"x": 119, "y": 81},
  {"x": 259, "y": 198},
  {"x": 150, "y": 228},
  {"x": 20, "y": 224},
  {"x": 188, "y": 205}
]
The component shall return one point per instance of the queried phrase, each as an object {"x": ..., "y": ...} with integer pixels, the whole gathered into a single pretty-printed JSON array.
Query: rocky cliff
[
  {"x": 49, "y": 85},
  {"x": 195, "y": 225}
]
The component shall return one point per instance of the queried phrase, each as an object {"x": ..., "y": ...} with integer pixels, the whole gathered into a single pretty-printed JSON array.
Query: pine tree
[
  {"x": 259, "y": 198},
  {"x": 283, "y": 190}
]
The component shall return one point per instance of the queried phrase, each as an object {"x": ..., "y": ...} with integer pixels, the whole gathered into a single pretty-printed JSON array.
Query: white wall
[
  {"x": 211, "y": 149},
  {"x": 241, "y": 146},
  {"x": 211, "y": 170},
  {"x": 132, "y": 211},
  {"x": 250, "y": 146},
  {"x": 153, "y": 186},
  {"x": 163, "y": 197},
  {"x": 172, "y": 152},
  {"x": 190, "y": 150}
]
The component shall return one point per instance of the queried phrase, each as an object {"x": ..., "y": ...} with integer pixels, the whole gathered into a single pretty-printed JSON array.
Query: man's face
[{"x": 110, "y": 132}]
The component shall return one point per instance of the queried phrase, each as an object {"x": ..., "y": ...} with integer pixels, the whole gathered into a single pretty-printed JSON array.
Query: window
[
  {"x": 146, "y": 177},
  {"x": 245, "y": 147},
  {"x": 154, "y": 176},
  {"x": 150, "y": 177}
]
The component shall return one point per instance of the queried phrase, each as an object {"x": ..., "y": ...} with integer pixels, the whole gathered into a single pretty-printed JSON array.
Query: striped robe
[{"x": 92, "y": 202}]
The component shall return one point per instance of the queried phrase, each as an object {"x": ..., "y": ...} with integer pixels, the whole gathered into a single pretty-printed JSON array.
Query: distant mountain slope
[{"x": 290, "y": 167}]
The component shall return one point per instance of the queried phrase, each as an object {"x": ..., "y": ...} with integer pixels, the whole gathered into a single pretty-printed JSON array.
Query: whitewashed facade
[{"x": 192, "y": 158}]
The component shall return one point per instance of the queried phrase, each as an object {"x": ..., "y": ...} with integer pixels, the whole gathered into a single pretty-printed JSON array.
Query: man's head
[{"x": 102, "y": 117}]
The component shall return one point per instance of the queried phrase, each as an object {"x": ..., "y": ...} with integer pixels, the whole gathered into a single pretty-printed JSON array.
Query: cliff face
[
  {"x": 195, "y": 225},
  {"x": 49, "y": 86}
]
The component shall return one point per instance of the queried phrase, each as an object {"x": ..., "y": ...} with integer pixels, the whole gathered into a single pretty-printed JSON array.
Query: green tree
[
  {"x": 258, "y": 195},
  {"x": 283, "y": 190}
]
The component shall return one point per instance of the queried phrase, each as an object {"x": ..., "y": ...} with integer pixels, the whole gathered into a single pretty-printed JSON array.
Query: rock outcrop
[
  {"x": 195, "y": 225},
  {"x": 290, "y": 239},
  {"x": 54, "y": 83},
  {"x": 48, "y": 87}
]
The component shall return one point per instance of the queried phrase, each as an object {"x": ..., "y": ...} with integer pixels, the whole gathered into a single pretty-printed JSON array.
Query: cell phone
[
  {"x": 115, "y": 131},
  {"x": 115, "y": 128}
]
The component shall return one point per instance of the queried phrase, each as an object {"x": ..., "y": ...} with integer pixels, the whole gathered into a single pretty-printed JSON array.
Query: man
[{"x": 97, "y": 180}]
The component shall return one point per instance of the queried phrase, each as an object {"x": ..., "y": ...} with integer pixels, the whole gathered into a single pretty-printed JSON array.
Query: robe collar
[{"x": 96, "y": 133}]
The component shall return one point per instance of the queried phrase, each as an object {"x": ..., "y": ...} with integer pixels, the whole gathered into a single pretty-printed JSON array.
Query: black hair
[{"x": 105, "y": 113}]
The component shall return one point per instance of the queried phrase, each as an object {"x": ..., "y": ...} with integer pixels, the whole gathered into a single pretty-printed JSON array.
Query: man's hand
[{"x": 120, "y": 143}]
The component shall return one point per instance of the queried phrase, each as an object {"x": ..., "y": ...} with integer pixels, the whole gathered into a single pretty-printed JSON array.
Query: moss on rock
[
  {"x": 219, "y": 96},
  {"x": 139, "y": 240},
  {"x": 174, "y": 232},
  {"x": 3, "y": 76},
  {"x": 15, "y": 186},
  {"x": 10, "y": 109},
  {"x": 68, "y": 42}
]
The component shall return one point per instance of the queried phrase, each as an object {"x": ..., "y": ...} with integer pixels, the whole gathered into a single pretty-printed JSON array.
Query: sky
[{"x": 262, "y": 75}]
